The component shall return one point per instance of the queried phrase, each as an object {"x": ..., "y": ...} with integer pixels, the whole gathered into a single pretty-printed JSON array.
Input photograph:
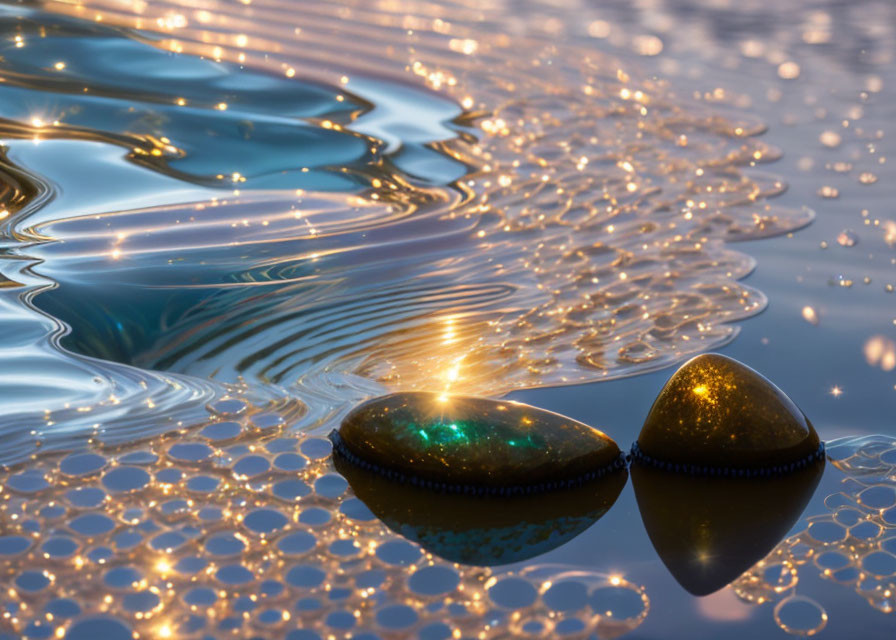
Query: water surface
[{"x": 259, "y": 214}]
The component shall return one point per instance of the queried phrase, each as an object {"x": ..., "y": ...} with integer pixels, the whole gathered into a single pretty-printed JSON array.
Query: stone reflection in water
[
  {"x": 240, "y": 527},
  {"x": 484, "y": 530},
  {"x": 708, "y": 531},
  {"x": 853, "y": 544},
  {"x": 474, "y": 480}
]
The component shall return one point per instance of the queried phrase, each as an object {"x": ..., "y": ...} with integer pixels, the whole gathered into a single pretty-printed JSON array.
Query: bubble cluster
[
  {"x": 240, "y": 526},
  {"x": 853, "y": 544}
]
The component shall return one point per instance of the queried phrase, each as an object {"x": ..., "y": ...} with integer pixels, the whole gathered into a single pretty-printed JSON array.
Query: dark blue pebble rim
[
  {"x": 728, "y": 472},
  {"x": 343, "y": 451}
]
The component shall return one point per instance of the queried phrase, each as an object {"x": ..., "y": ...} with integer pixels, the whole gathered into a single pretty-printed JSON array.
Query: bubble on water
[
  {"x": 225, "y": 544},
  {"x": 91, "y": 525},
  {"x": 251, "y": 466},
  {"x": 840, "y": 280},
  {"x": 266, "y": 420},
  {"x": 85, "y": 497},
  {"x": 826, "y": 531},
  {"x": 331, "y": 485},
  {"x": 800, "y": 616},
  {"x": 298, "y": 543},
  {"x": 513, "y": 593},
  {"x": 433, "y": 581},
  {"x": 203, "y": 484},
  {"x": 227, "y": 407},
  {"x": 99, "y": 627},
  {"x": 398, "y": 552},
  {"x": 125, "y": 479},
  {"x": 356, "y": 511},
  {"x": 138, "y": 458},
  {"x": 122, "y": 577},
  {"x": 190, "y": 451},
  {"x": 290, "y": 462},
  {"x": 264, "y": 521},
  {"x": 877, "y": 496},
  {"x": 221, "y": 431},
  {"x": 30, "y": 481},
  {"x": 316, "y": 448},
  {"x": 80, "y": 464},
  {"x": 831, "y": 561},
  {"x": 865, "y": 531},
  {"x": 60, "y": 547},
  {"x": 847, "y": 516},
  {"x": 200, "y": 597},
  {"x": 881, "y": 564},
  {"x": 290, "y": 490},
  {"x": 396, "y": 617}
]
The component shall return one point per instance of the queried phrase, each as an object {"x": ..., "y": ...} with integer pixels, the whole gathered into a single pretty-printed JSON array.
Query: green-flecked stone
[
  {"x": 718, "y": 413},
  {"x": 708, "y": 531},
  {"x": 483, "y": 530},
  {"x": 473, "y": 442}
]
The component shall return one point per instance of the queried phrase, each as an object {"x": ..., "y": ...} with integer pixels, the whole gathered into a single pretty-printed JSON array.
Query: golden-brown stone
[
  {"x": 716, "y": 414},
  {"x": 459, "y": 443}
]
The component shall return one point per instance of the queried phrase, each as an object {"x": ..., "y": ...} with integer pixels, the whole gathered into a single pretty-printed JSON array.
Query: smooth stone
[
  {"x": 483, "y": 530},
  {"x": 715, "y": 412},
  {"x": 462, "y": 442},
  {"x": 708, "y": 531}
]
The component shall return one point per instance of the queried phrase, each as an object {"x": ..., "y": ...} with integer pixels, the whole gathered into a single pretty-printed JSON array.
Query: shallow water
[{"x": 302, "y": 206}]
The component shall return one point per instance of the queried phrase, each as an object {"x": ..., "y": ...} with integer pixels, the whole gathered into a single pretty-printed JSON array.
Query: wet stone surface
[
  {"x": 452, "y": 442},
  {"x": 716, "y": 414}
]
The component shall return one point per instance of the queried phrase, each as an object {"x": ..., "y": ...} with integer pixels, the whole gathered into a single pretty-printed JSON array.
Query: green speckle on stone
[{"x": 473, "y": 441}]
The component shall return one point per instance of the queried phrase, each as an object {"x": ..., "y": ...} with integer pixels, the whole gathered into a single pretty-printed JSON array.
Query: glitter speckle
[
  {"x": 789, "y": 70},
  {"x": 866, "y": 177},
  {"x": 810, "y": 315},
  {"x": 847, "y": 238},
  {"x": 830, "y": 139}
]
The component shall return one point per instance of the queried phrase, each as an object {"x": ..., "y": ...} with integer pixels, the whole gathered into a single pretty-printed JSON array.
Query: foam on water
[{"x": 242, "y": 526}]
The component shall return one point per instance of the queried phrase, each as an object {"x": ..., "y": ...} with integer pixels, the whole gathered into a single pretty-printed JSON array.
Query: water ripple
[{"x": 278, "y": 216}]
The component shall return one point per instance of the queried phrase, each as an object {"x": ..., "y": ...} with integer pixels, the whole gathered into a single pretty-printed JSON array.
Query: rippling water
[
  {"x": 302, "y": 205},
  {"x": 565, "y": 223}
]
